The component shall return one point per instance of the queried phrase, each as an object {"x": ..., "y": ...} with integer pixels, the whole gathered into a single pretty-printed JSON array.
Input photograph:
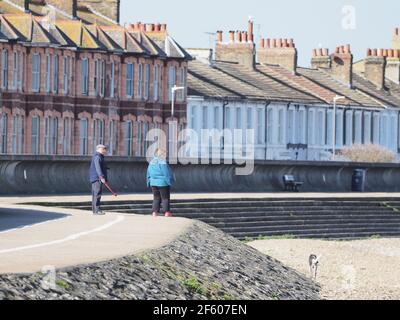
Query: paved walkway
[
  {"x": 32, "y": 237},
  {"x": 65, "y": 237}
]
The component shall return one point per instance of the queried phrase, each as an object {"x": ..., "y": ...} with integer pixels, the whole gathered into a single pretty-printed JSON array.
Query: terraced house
[
  {"x": 72, "y": 77},
  {"x": 290, "y": 107}
]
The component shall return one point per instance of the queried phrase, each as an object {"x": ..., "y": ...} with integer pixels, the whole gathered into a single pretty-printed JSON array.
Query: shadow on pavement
[{"x": 19, "y": 218}]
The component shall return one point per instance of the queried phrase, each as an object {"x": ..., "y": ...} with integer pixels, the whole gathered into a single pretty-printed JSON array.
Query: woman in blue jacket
[{"x": 160, "y": 179}]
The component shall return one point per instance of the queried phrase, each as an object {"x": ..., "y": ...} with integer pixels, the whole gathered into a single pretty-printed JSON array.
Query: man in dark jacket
[{"x": 98, "y": 176}]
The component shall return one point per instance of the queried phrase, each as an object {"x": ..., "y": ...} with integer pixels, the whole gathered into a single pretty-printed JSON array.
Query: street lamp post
[
  {"x": 335, "y": 100},
  {"x": 173, "y": 90},
  {"x": 173, "y": 127}
]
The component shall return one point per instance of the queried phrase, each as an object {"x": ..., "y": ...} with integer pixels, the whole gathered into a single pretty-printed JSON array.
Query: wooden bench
[{"x": 291, "y": 184}]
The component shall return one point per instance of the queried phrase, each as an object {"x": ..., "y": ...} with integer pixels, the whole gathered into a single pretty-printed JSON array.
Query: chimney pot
[
  {"x": 390, "y": 53},
  {"x": 274, "y": 43},
  {"x": 219, "y": 36},
  {"x": 232, "y": 36},
  {"x": 163, "y": 27},
  {"x": 250, "y": 29},
  {"x": 285, "y": 43},
  {"x": 396, "y": 31},
  {"x": 369, "y": 52},
  {"x": 374, "y": 52},
  {"x": 320, "y": 52},
  {"x": 337, "y": 50},
  {"x": 244, "y": 36},
  {"x": 279, "y": 43},
  {"x": 380, "y": 52},
  {"x": 326, "y": 52},
  {"x": 314, "y": 53},
  {"x": 291, "y": 43},
  {"x": 348, "y": 48},
  {"x": 268, "y": 43},
  {"x": 239, "y": 36},
  {"x": 262, "y": 43},
  {"x": 396, "y": 54}
]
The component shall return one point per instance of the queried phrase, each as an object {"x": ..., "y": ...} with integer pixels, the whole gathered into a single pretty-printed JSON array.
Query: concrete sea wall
[{"x": 69, "y": 175}]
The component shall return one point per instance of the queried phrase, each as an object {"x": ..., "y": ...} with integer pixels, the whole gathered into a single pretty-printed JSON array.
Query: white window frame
[
  {"x": 129, "y": 80},
  {"x": 56, "y": 64},
  {"x": 36, "y": 72},
  {"x": 85, "y": 76},
  {"x": 4, "y": 69}
]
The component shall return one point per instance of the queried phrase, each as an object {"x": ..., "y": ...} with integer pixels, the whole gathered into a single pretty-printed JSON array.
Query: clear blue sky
[{"x": 312, "y": 23}]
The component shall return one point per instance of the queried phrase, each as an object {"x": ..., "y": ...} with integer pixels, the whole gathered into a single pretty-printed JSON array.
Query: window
[
  {"x": 129, "y": 80},
  {"x": 18, "y": 134},
  {"x": 260, "y": 126},
  {"x": 182, "y": 77},
  {"x": 228, "y": 118},
  {"x": 96, "y": 78},
  {"x": 98, "y": 133},
  {"x": 83, "y": 136},
  {"x": 383, "y": 132},
  {"x": 3, "y": 132},
  {"x": 140, "y": 140},
  {"x": 249, "y": 126},
  {"x": 216, "y": 124},
  {"x": 281, "y": 126},
  {"x": 349, "y": 128},
  {"x": 358, "y": 128},
  {"x": 128, "y": 138},
  {"x": 311, "y": 126},
  {"x": 156, "y": 82},
  {"x": 36, "y": 72},
  {"x": 15, "y": 71},
  {"x": 85, "y": 76},
  {"x": 140, "y": 81},
  {"x": 66, "y": 75},
  {"x": 103, "y": 79},
  {"x": 291, "y": 137},
  {"x": 21, "y": 63},
  {"x": 238, "y": 118},
  {"x": 112, "y": 139},
  {"x": 145, "y": 143},
  {"x": 339, "y": 128},
  {"x": 329, "y": 129},
  {"x": 302, "y": 127},
  {"x": 367, "y": 128},
  {"x": 171, "y": 81},
  {"x": 4, "y": 69},
  {"x": 376, "y": 128},
  {"x": 55, "y": 74},
  {"x": 48, "y": 74},
  {"x": 321, "y": 133},
  {"x": 35, "y": 135},
  {"x": 270, "y": 126},
  {"x": 146, "y": 81},
  {"x": 112, "y": 80},
  {"x": 205, "y": 118},
  {"x": 67, "y": 136}
]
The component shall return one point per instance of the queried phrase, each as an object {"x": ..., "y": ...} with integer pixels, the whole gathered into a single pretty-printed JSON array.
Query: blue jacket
[
  {"x": 98, "y": 168},
  {"x": 159, "y": 174}
]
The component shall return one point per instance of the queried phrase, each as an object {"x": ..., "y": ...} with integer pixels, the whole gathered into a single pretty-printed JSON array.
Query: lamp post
[
  {"x": 173, "y": 90},
  {"x": 335, "y": 100},
  {"x": 173, "y": 127}
]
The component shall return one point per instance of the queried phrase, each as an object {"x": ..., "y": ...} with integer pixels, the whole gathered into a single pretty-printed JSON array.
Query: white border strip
[{"x": 67, "y": 239}]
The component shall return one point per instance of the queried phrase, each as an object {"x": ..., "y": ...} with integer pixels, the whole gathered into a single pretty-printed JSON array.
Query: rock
[{"x": 203, "y": 263}]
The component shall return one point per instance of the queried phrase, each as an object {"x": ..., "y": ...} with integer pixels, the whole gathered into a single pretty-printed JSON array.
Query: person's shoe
[
  {"x": 168, "y": 214},
  {"x": 155, "y": 214},
  {"x": 99, "y": 213}
]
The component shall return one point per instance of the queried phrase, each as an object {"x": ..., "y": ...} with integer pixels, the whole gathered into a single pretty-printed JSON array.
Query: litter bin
[{"x": 358, "y": 180}]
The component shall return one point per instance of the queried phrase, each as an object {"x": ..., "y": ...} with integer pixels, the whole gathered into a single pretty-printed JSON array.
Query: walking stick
[{"x": 109, "y": 188}]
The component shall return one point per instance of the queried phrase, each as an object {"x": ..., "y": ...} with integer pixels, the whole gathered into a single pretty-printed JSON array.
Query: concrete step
[
  {"x": 279, "y": 219},
  {"x": 301, "y": 223},
  {"x": 309, "y": 230},
  {"x": 334, "y": 236}
]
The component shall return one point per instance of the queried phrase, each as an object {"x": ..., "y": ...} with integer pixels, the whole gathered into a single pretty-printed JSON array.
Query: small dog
[{"x": 314, "y": 263}]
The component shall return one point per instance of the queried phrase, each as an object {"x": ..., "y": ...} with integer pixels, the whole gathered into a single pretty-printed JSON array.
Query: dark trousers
[
  {"x": 161, "y": 195},
  {"x": 97, "y": 190}
]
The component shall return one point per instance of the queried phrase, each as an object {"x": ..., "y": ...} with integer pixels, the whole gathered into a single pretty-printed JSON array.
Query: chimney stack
[
  {"x": 281, "y": 52},
  {"x": 393, "y": 66},
  {"x": 240, "y": 50},
  {"x": 396, "y": 39},
  {"x": 321, "y": 59},
  {"x": 342, "y": 65},
  {"x": 375, "y": 66}
]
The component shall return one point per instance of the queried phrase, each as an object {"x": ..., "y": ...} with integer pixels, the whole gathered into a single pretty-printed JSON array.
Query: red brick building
[{"x": 72, "y": 78}]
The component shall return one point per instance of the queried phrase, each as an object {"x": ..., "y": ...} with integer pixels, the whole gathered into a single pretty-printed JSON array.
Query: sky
[{"x": 311, "y": 23}]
